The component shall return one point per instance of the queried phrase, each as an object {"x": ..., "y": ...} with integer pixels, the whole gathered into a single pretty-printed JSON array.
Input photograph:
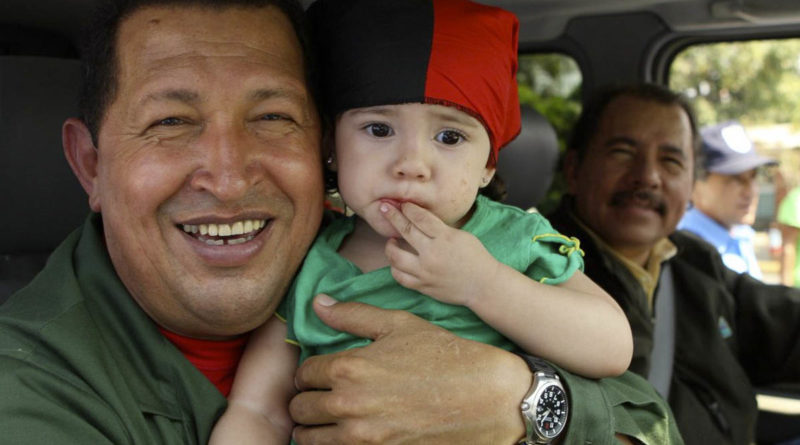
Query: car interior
[{"x": 612, "y": 41}]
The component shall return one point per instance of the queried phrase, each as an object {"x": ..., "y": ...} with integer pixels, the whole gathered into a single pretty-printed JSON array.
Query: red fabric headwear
[{"x": 449, "y": 52}]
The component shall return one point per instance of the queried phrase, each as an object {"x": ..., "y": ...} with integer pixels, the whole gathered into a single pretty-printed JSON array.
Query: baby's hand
[{"x": 445, "y": 263}]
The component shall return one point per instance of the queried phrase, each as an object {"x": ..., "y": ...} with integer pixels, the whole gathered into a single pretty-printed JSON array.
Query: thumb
[{"x": 359, "y": 319}]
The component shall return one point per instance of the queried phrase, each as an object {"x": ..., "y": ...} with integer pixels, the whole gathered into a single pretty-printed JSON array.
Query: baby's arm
[
  {"x": 258, "y": 406},
  {"x": 576, "y": 324}
]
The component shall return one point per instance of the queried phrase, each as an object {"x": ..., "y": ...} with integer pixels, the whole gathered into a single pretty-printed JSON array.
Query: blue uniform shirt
[{"x": 735, "y": 245}]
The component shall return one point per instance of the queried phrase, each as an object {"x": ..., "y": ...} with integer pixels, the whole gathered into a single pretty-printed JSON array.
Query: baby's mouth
[{"x": 225, "y": 234}]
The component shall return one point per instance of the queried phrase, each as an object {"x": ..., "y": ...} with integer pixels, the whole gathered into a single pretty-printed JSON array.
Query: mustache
[{"x": 647, "y": 198}]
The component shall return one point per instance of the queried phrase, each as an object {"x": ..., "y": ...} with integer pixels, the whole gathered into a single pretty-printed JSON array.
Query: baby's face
[{"x": 432, "y": 155}]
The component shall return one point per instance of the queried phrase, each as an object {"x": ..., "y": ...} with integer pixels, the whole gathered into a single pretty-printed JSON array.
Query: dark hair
[
  {"x": 586, "y": 126},
  {"x": 99, "y": 48}
]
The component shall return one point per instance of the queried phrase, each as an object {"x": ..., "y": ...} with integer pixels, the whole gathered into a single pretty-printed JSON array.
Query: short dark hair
[
  {"x": 99, "y": 48},
  {"x": 587, "y": 124}
]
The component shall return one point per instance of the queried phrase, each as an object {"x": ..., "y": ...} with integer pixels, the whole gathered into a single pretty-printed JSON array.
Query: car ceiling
[{"x": 540, "y": 20}]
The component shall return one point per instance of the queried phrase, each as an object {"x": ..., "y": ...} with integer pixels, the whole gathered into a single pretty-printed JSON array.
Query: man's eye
[
  {"x": 450, "y": 137},
  {"x": 273, "y": 117},
  {"x": 674, "y": 161},
  {"x": 379, "y": 130},
  {"x": 170, "y": 122},
  {"x": 621, "y": 151}
]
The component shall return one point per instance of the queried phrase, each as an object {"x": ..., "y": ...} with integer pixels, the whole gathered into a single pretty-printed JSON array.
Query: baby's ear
[
  {"x": 488, "y": 174},
  {"x": 329, "y": 150}
]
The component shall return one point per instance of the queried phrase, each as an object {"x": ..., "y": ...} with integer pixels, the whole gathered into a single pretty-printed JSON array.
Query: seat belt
[{"x": 660, "y": 375}]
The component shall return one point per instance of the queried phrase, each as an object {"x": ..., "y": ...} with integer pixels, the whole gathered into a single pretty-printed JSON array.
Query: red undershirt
[{"x": 216, "y": 359}]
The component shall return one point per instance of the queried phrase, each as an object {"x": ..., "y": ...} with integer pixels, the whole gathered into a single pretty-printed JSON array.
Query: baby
[{"x": 423, "y": 96}]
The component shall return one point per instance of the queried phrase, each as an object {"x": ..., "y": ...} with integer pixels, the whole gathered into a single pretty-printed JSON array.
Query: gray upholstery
[
  {"x": 528, "y": 163},
  {"x": 41, "y": 201}
]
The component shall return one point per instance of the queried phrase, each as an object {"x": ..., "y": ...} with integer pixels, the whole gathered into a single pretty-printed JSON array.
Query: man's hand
[
  {"x": 435, "y": 259},
  {"x": 415, "y": 384}
]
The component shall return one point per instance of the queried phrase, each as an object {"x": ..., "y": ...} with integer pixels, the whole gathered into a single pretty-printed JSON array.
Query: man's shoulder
[
  {"x": 702, "y": 225},
  {"x": 690, "y": 245}
]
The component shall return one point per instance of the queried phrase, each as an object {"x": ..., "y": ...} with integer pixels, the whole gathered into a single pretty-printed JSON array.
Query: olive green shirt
[{"x": 81, "y": 363}]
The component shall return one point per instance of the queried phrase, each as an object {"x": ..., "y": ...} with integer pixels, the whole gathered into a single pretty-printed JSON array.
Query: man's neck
[
  {"x": 723, "y": 224},
  {"x": 643, "y": 264},
  {"x": 635, "y": 254}
]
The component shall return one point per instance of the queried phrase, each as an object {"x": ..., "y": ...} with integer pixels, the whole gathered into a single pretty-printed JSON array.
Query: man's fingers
[
  {"x": 317, "y": 435},
  {"x": 361, "y": 320},
  {"x": 308, "y": 408}
]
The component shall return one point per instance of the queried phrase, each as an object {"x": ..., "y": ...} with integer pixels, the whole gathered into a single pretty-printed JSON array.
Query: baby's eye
[
  {"x": 450, "y": 137},
  {"x": 379, "y": 130}
]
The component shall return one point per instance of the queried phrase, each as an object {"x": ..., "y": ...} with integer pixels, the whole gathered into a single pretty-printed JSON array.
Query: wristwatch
[{"x": 546, "y": 406}]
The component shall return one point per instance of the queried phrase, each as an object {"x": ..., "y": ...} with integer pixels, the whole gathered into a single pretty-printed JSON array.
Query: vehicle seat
[
  {"x": 528, "y": 163},
  {"x": 42, "y": 200}
]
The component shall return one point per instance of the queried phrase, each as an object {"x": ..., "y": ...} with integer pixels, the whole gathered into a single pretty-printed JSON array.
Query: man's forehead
[
  {"x": 161, "y": 31},
  {"x": 176, "y": 45},
  {"x": 644, "y": 120}
]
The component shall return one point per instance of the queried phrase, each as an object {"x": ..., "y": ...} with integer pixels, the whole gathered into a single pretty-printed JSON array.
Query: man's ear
[
  {"x": 571, "y": 170},
  {"x": 82, "y": 155}
]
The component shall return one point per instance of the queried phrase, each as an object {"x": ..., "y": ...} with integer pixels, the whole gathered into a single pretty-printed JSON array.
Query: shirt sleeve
[
  {"x": 555, "y": 257},
  {"x": 625, "y": 405}
]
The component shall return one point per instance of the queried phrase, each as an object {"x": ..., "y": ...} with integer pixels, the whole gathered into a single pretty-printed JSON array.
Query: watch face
[{"x": 551, "y": 411}]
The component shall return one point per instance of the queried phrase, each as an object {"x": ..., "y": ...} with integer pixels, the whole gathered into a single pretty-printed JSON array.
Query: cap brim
[{"x": 741, "y": 165}]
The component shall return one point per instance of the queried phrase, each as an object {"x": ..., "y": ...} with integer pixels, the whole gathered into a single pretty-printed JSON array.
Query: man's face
[
  {"x": 208, "y": 176},
  {"x": 727, "y": 199},
  {"x": 635, "y": 179}
]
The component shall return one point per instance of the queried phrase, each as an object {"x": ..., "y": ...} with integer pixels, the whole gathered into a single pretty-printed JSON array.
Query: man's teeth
[{"x": 243, "y": 230}]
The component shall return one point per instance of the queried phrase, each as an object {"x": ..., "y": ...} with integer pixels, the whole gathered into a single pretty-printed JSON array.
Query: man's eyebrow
[
  {"x": 621, "y": 140},
  {"x": 275, "y": 93},
  {"x": 181, "y": 95},
  {"x": 672, "y": 149}
]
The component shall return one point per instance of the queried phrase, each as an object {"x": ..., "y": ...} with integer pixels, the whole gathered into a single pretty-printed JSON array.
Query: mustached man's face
[{"x": 635, "y": 179}]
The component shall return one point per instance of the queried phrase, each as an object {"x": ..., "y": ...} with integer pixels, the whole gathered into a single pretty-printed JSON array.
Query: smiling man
[{"x": 702, "y": 333}]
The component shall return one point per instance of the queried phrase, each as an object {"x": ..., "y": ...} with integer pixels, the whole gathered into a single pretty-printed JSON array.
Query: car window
[
  {"x": 755, "y": 82},
  {"x": 551, "y": 83}
]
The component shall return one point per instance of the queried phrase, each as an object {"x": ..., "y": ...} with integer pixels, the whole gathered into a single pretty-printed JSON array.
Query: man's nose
[
  {"x": 645, "y": 172},
  {"x": 230, "y": 163},
  {"x": 413, "y": 160}
]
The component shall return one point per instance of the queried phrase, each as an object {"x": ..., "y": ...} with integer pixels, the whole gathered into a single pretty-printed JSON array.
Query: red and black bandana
[{"x": 448, "y": 52}]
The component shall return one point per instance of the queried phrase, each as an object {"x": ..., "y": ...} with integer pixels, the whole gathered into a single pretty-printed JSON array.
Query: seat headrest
[
  {"x": 42, "y": 200},
  {"x": 528, "y": 163}
]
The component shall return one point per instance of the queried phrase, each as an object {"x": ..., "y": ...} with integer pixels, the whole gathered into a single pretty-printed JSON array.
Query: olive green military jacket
[
  {"x": 731, "y": 332},
  {"x": 81, "y": 363}
]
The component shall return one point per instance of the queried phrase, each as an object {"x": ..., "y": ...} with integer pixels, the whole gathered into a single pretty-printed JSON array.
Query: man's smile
[{"x": 225, "y": 234}]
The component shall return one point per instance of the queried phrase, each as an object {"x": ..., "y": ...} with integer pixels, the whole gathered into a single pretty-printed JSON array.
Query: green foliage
[
  {"x": 551, "y": 83},
  {"x": 755, "y": 82}
]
